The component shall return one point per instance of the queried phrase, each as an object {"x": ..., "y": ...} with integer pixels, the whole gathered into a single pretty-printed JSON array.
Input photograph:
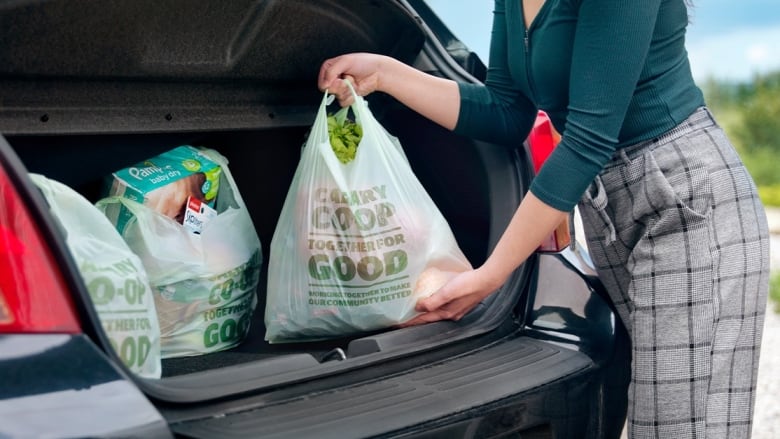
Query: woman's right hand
[
  {"x": 436, "y": 98},
  {"x": 363, "y": 70}
]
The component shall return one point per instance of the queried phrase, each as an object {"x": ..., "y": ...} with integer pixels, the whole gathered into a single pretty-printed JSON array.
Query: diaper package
[{"x": 171, "y": 184}]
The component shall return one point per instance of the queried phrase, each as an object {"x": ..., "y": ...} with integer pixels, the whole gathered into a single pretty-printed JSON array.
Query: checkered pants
[{"x": 681, "y": 242}]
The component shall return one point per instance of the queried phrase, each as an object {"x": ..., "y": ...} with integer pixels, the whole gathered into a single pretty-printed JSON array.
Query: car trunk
[{"x": 81, "y": 98}]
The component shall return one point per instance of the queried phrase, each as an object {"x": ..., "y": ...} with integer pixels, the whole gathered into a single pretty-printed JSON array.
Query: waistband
[{"x": 700, "y": 118}]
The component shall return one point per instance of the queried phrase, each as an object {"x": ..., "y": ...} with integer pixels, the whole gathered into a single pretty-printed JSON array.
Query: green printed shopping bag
[
  {"x": 114, "y": 276},
  {"x": 357, "y": 243}
]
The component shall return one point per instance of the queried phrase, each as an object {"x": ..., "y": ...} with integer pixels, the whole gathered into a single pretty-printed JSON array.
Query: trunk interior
[
  {"x": 246, "y": 88},
  {"x": 262, "y": 163}
]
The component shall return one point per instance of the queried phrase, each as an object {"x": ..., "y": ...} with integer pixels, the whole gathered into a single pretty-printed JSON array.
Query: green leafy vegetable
[{"x": 344, "y": 136}]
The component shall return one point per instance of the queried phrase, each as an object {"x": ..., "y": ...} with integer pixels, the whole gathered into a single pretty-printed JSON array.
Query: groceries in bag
[
  {"x": 358, "y": 241},
  {"x": 114, "y": 276},
  {"x": 204, "y": 283}
]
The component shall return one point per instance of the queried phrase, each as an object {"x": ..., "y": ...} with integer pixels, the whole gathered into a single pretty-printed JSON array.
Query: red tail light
[
  {"x": 542, "y": 140},
  {"x": 33, "y": 295}
]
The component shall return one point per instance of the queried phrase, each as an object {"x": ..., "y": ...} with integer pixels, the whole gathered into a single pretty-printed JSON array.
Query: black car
[{"x": 91, "y": 86}]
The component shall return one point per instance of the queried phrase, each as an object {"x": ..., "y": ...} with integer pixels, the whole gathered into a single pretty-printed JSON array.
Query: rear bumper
[{"x": 522, "y": 382}]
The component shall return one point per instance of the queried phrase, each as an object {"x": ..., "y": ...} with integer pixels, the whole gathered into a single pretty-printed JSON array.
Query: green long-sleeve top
[{"x": 609, "y": 73}]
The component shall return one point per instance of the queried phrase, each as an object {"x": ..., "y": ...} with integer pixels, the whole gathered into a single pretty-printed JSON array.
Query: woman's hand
[
  {"x": 436, "y": 98},
  {"x": 533, "y": 221},
  {"x": 456, "y": 298},
  {"x": 363, "y": 70}
]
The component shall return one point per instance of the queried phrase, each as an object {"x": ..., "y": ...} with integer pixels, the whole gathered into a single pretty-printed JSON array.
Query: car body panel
[{"x": 63, "y": 383}]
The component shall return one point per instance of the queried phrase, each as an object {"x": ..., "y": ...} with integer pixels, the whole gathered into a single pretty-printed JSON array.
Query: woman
[{"x": 672, "y": 219}]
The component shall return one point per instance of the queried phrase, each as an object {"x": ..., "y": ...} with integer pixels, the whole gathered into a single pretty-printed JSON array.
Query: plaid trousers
[{"x": 681, "y": 242}]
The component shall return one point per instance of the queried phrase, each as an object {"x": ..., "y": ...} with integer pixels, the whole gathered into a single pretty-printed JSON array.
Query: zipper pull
[{"x": 525, "y": 40}]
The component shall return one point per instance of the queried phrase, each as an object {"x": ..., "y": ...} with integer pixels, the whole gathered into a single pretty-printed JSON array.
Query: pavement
[
  {"x": 773, "y": 217},
  {"x": 766, "y": 419}
]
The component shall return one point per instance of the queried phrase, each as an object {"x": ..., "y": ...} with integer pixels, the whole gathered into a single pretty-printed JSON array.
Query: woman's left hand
[
  {"x": 533, "y": 221},
  {"x": 455, "y": 299}
]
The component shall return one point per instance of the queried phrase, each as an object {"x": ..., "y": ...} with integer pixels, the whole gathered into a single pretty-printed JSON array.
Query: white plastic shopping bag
[
  {"x": 357, "y": 243},
  {"x": 204, "y": 284},
  {"x": 116, "y": 279}
]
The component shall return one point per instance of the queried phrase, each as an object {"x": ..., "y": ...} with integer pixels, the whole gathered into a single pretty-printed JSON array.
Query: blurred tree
[
  {"x": 757, "y": 131},
  {"x": 759, "y": 127},
  {"x": 720, "y": 95},
  {"x": 750, "y": 115}
]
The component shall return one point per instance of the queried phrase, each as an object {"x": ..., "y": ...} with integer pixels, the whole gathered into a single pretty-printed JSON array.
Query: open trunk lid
[{"x": 71, "y": 66}]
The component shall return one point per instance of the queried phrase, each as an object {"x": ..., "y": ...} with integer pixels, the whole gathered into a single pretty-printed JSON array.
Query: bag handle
[{"x": 358, "y": 103}]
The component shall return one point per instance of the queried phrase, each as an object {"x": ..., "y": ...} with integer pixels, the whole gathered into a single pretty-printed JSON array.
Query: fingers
[
  {"x": 454, "y": 310},
  {"x": 331, "y": 79},
  {"x": 328, "y": 73},
  {"x": 452, "y": 301},
  {"x": 340, "y": 91},
  {"x": 422, "y": 319},
  {"x": 361, "y": 69},
  {"x": 433, "y": 302},
  {"x": 446, "y": 294},
  {"x": 332, "y": 71}
]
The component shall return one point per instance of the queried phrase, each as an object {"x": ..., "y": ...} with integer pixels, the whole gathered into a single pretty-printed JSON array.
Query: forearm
[
  {"x": 532, "y": 222},
  {"x": 435, "y": 98},
  {"x": 439, "y": 100}
]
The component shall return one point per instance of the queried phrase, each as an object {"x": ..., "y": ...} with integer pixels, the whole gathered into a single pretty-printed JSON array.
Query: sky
[{"x": 727, "y": 39}]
